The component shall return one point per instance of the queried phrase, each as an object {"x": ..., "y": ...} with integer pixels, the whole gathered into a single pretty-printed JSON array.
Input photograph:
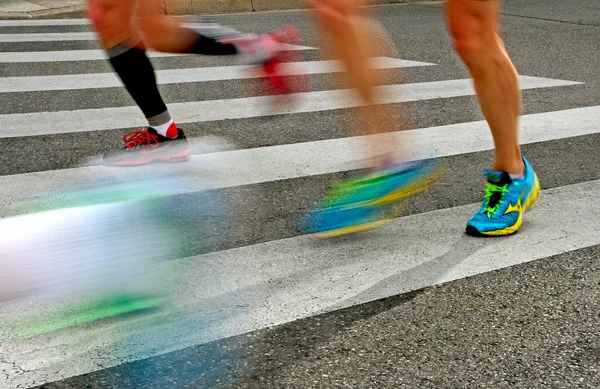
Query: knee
[
  {"x": 105, "y": 13},
  {"x": 470, "y": 49},
  {"x": 473, "y": 28},
  {"x": 468, "y": 40},
  {"x": 339, "y": 6},
  {"x": 96, "y": 14},
  {"x": 332, "y": 17},
  {"x": 111, "y": 19}
]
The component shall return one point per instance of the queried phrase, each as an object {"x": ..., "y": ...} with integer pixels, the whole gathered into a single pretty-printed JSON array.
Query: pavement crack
[
  {"x": 15, "y": 367},
  {"x": 552, "y": 20}
]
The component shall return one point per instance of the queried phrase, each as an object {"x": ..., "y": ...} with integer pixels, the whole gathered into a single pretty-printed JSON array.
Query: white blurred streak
[
  {"x": 101, "y": 248},
  {"x": 102, "y": 234}
]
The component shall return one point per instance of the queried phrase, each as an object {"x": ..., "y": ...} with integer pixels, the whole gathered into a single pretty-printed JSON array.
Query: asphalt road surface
[{"x": 257, "y": 304}]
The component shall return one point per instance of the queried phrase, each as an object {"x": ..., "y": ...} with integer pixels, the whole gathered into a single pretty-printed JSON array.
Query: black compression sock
[
  {"x": 136, "y": 71},
  {"x": 210, "y": 46}
]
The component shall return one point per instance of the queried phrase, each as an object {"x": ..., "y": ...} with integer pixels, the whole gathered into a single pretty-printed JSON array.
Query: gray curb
[
  {"x": 188, "y": 7},
  {"x": 77, "y": 11}
]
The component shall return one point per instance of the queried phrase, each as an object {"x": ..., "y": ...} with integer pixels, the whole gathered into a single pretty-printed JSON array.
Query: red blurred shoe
[{"x": 277, "y": 66}]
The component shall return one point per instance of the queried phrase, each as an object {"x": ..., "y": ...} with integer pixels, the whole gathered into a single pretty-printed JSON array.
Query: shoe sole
[
  {"x": 351, "y": 229},
  {"x": 529, "y": 204}
]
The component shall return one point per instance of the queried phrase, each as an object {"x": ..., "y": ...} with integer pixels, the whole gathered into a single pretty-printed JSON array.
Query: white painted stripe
[
  {"x": 64, "y": 56},
  {"x": 254, "y": 166},
  {"x": 232, "y": 292},
  {"x": 67, "y": 36},
  {"x": 53, "y": 22},
  {"x": 39, "y": 123},
  {"x": 176, "y": 76},
  {"x": 57, "y": 22},
  {"x": 48, "y": 37},
  {"x": 89, "y": 55}
]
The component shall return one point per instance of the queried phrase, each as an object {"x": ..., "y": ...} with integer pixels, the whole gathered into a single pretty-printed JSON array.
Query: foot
[
  {"x": 505, "y": 201},
  {"x": 367, "y": 202},
  {"x": 147, "y": 146}
]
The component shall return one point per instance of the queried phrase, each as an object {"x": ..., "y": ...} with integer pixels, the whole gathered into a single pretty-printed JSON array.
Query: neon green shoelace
[{"x": 494, "y": 197}]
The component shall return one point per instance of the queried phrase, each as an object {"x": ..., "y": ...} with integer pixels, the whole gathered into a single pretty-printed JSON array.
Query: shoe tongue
[
  {"x": 152, "y": 131},
  {"x": 498, "y": 178}
]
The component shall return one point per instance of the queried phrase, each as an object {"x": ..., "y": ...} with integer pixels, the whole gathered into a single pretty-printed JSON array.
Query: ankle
[{"x": 516, "y": 168}]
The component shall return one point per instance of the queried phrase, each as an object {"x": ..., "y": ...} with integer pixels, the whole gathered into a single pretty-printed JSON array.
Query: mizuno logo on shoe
[
  {"x": 514, "y": 208},
  {"x": 518, "y": 207}
]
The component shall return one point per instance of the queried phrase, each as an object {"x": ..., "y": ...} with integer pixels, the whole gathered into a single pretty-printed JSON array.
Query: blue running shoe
[
  {"x": 365, "y": 203},
  {"x": 337, "y": 221},
  {"x": 504, "y": 203}
]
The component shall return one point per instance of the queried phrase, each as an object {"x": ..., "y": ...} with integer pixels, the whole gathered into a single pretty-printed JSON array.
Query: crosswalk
[
  {"x": 24, "y": 124},
  {"x": 277, "y": 278},
  {"x": 84, "y": 55},
  {"x": 180, "y": 76}
]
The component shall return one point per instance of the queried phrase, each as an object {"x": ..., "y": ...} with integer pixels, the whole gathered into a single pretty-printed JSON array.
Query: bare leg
[
  {"x": 162, "y": 32},
  {"x": 355, "y": 38},
  {"x": 474, "y": 26},
  {"x": 114, "y": 21}
]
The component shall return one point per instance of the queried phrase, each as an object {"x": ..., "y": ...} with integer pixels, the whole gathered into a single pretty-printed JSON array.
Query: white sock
[
  {"x": 163, "y": 128},
  {"x": 257, "y": 49},
  {"x": 517, "y": 176}
]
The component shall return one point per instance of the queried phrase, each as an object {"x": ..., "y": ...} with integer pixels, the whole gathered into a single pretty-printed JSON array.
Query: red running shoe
[{"x": 147, "y": 146}]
